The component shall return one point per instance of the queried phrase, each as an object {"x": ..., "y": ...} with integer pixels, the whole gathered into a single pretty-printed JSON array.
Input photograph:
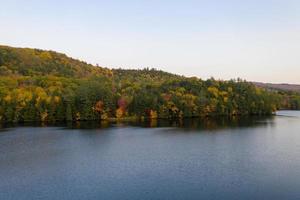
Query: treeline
[
  {"x": 289, "y": 100},
  {"x": 38, "y": 85}
]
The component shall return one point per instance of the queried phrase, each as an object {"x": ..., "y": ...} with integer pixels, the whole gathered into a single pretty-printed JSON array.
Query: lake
[{"x": 247, "y": 158}]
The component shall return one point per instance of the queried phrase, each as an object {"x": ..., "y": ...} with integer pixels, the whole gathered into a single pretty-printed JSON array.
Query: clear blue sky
[{"x": 258, "y": 40}]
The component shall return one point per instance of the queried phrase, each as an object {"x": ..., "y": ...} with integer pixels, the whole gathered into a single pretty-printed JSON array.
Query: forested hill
[
  {"x": 32, "y": 62},
  {"x": 38, "y": 85}
]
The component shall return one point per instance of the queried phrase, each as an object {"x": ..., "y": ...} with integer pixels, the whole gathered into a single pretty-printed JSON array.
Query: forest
[{"x": 39, "y": 85}]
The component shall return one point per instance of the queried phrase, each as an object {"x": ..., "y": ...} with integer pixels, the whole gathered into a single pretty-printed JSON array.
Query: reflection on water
[
  {"x": 206, "y": 123},
  {"x": 188, "y": 123},
  {"x": 247, "y": 158}
]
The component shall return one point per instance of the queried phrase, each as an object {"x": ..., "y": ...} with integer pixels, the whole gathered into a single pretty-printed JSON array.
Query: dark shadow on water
[
  {"x": 207, "y": 123},
  {"x": 215, "y": 123}
]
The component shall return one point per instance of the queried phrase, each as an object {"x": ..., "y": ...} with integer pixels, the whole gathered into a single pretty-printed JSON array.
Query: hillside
[
  {"x": 38, "y": 85},
  {"x": 31, "y": 62},
  {"x": 151, "y": 74}
]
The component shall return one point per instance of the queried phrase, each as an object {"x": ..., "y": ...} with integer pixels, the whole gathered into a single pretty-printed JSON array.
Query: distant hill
[{"x": 284, "y": 87}]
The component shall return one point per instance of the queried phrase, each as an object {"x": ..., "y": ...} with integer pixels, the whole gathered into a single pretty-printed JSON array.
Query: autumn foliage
[{"x": 38, "y": 85}]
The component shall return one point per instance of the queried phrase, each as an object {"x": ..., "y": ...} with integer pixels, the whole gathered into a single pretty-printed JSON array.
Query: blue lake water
[{"x": 253, "y": 158}]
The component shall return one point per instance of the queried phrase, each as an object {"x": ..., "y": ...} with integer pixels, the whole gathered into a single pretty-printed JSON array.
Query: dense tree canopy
[{"x": 37, "y": 85}]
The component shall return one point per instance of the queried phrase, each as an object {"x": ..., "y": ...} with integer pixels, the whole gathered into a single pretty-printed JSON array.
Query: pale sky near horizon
[{"x": 257, "y": 40}]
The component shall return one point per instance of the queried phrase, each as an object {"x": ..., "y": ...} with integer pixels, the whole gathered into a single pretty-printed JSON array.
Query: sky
[{"x": 256, "y": 40}]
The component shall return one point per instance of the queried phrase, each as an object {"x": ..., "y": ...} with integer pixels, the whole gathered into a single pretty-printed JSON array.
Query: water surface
[{"x": 252, "y": 158}]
